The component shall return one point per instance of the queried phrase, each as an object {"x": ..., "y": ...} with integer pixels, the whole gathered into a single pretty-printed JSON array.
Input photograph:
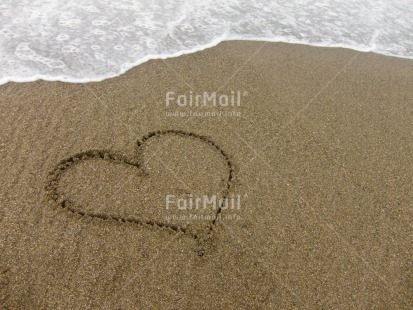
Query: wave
[{"x": 98, "y": 39}]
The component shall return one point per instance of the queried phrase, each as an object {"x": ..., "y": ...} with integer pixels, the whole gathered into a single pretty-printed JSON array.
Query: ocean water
[{"x": 91, "y": 40}]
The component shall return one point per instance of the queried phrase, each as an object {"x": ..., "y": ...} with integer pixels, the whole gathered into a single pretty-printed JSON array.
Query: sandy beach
[{"x": 313, "y": 145}]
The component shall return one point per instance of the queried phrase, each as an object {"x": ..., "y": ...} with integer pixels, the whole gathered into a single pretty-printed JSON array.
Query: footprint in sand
[{"x": 156, "y": 187}]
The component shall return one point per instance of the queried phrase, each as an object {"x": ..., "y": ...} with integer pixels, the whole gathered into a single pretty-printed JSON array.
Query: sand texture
[{"x": 319, "y": 150}]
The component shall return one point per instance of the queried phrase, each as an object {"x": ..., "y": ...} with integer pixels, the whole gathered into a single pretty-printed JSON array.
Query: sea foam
[{"x": 80, "y": 41}]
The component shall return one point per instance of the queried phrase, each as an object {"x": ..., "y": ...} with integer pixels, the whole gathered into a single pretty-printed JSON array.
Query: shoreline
[
  {"x": 194, "y": 51},
  {"x": 320, "y": 155}
]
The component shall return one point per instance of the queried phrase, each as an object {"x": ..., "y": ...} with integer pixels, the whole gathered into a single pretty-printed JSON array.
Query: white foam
[{"x": 96, "y": 39}]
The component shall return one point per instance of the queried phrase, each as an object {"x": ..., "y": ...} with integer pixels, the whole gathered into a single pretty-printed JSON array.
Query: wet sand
[{"x": 318, "y": 148}]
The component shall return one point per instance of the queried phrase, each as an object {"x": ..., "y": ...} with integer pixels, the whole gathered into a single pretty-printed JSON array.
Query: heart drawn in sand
[{"x": 200, "y": 151}]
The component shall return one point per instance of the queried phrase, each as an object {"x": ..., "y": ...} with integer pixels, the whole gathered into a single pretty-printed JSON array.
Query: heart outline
[{"x": 54, "y": 176}]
